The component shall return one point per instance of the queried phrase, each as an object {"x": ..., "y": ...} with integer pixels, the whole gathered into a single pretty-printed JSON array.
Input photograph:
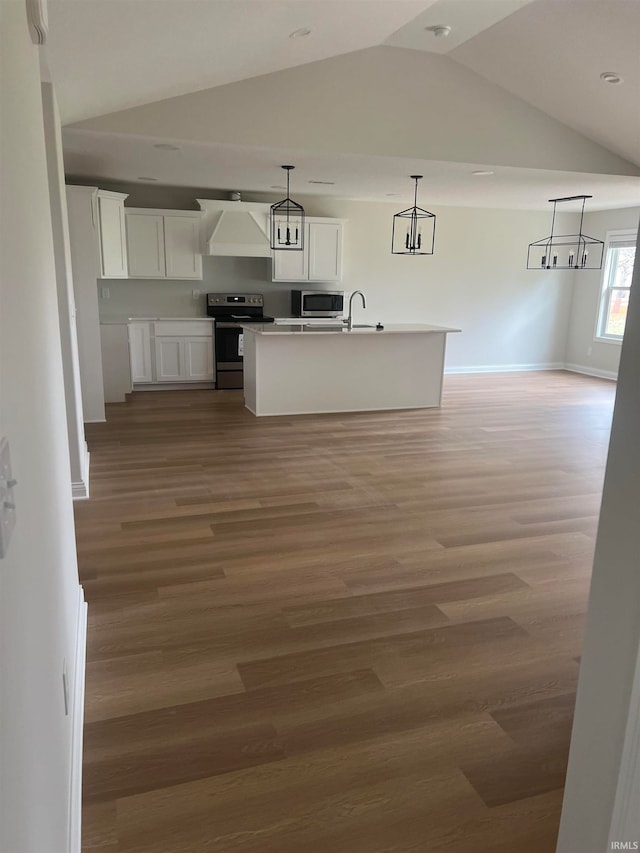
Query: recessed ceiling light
[
  {"x": 326, "y": 183},
  {"x": 147, "y": 179},
  {"x": 611, "y": 77},
  {"x": 166, "y": 146},
  {"x": 482, "y": 172},
  {"x": 301, "y": 33}
]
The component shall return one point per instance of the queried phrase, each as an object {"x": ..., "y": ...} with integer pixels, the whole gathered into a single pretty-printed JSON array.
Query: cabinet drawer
[{"x": 185, "y": 328}]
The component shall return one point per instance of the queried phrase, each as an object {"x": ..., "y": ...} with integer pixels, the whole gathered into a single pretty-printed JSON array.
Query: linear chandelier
[
  {"x": 566, "y": 251},
  {"x": 414, "y": 229},
  {"x": 287, "y": 222}
]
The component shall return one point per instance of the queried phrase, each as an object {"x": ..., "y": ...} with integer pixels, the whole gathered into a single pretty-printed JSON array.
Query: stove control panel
[{"x": 235, "y": 300}]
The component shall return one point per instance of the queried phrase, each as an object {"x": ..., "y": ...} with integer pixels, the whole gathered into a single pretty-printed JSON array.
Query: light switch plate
[{"x": 7, "y": 501}]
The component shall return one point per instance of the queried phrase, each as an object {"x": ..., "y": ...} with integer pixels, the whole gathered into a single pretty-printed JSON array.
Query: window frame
[{"x": 614, "y": 239}]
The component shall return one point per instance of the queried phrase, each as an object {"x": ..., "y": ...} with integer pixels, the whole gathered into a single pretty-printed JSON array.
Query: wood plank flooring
[{"x": 348, "y": 633}]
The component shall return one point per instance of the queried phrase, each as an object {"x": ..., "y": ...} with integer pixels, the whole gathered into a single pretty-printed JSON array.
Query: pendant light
[
  {"x": 287, "y": 222},
  {"x": 566, "y": 251},
  {"x": 414, "y": 229}
]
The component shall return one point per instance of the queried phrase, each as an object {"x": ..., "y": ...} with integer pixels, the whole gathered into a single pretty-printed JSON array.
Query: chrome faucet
[{"x": 349, "y": 320}]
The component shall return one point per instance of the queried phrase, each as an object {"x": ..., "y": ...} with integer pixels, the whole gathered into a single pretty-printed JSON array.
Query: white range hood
[{"x": 235, "y": 228}]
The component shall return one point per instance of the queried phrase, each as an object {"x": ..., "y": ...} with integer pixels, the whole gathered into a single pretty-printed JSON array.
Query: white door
[
  {"x": 182, "y": 247},
  {"x": 325, "y": 251},
  {"x": 145, "y": 243},
  {"x": 291, "y": 264},
  {"x": 170, "y": 359},
  {"x": 113, "y": 254},
  {"x": 140, "y": 352},
  {"x": 198, "y": 359}
]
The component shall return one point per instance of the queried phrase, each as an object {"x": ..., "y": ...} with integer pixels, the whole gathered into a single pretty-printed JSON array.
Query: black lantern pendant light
[
  {"x": 414, "y": 229},
  {"x": 566, "y": 251},
  {"x": 287, "y": 222}
]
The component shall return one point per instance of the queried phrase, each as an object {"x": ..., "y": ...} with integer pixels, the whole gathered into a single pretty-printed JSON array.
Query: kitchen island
[{"x": 298, "y": 369}]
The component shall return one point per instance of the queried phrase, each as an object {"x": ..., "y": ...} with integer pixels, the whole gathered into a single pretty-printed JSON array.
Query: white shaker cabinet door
[
  {"x": 145, "y": 243},
  {"x": 182, "y": 247},
  {"x": 140, "y": 352},
  {"x": 169, "y": 359},
  {"x": 198, "y": 359},
  {"x": 290, "y": 264},
  {"x": 325, "y": 251},
  {"x": 113, "y": 246}
]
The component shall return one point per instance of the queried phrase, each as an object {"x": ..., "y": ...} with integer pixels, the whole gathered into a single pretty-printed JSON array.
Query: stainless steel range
[{"x": 231, "y": 310}]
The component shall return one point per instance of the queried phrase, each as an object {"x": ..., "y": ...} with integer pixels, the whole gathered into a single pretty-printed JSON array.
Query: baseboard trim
[
  {"x": 591, "y": 371},
  {"x": 505, "y": 368},
  {"x": 77, "y": 724},
  {"x": 80, "y": 488},
  {"x": 176, "y": 386}
]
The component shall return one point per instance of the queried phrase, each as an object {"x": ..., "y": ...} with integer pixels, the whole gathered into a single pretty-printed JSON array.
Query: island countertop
[
  {"x": 296, "y": 369},
  {"x": 311, "y": 329}
]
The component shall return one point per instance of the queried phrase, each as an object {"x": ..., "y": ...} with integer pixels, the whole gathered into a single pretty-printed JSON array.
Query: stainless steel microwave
[{"x": 317, "y": 303}]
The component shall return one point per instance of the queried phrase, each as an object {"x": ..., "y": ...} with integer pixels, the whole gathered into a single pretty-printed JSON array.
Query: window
[{"x": 620, "y": 251}]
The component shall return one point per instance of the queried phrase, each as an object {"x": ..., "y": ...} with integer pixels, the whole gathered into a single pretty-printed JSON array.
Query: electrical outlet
[
  {"x": 105, "y": 293},
  {"x": 195, "y": 295},
  {"x": 589, "y": 351}
]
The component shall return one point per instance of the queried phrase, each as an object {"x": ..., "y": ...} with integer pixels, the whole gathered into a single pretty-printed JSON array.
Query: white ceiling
[
  {"x": 107, "y": 55},
  {"x": 250, "y": 170},
  {"x": 551, "y": 53}
]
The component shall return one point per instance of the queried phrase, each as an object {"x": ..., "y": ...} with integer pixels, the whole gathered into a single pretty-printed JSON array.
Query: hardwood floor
[{"x": 350, "y": 633}]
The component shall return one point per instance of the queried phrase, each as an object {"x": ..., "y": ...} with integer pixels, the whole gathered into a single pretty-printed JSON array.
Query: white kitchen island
[{"x": 298, "y": 369}]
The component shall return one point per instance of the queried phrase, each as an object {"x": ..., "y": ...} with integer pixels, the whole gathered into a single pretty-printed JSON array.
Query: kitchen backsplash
[{"x": 148, "y": 298}]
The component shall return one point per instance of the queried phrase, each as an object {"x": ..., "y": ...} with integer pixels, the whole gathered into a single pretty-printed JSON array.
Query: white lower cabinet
[
  {"x": 198, "y": 359},
  {"x": 169, "y": 359},
  {"x": 140, "y": 352},
  {"x": 171, "y": 351}
]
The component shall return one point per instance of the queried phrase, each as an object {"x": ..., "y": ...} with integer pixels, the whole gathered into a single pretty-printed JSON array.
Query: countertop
[
  {"x": 301, "y": 329},
  {"x": 120, "y": 321}
]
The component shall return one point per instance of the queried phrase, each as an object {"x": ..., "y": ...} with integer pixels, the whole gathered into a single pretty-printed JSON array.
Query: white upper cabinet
[
  {"x": 145, "y": 243},
  {"x": 290, "y": 264},
  {"x": 111, "y": 235},
  {"x": 325, "y": 251},
  {"x": 182, "y": 246},
  {"x": 164, "y": 244},
  {"x": 321, "y": 259}
]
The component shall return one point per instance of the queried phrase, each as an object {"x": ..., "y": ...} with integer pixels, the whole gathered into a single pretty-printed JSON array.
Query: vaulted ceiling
[{"x": 367, "y": 97}]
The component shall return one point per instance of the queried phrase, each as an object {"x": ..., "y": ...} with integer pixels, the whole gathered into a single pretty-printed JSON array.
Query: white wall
[
  {"x": 38, "y": 577},
  {"x": 605, "y": 702},
  {"x": 477, "y": 280},
  {"x": 85, "y": 263},
  {"x": 583, "y": 352},
  {"x": 78, "y": 456}
]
